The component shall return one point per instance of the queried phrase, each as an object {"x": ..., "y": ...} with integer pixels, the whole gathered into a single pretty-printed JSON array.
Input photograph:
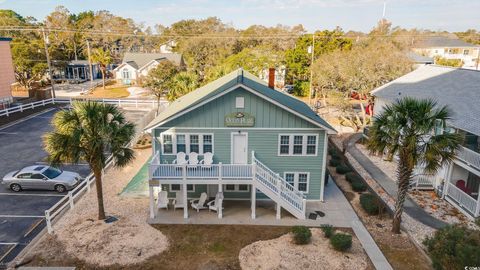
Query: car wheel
[
  {"x": 16, "y": 187},
  {"x": 60, "y": 188}
]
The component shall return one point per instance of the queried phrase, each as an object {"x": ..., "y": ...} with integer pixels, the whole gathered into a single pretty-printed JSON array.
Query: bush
[
  {"x": 341, "y": 241},
  {"x": 332, "y": 151},
  {"x": 358, "y": 186},
  {"x": 342, "y": 169},
  {"x": 334, "y": 162},
  {"x": 352, "y": 177},
  {"x": 454, "y": 247},
  {"x": 301, "y": 88},
  {"x": 477, "y": 221},
  {"x": 328, "y": 230},
  {"x": 370, "y": 203},
  {"x": 301, "y": 235}
]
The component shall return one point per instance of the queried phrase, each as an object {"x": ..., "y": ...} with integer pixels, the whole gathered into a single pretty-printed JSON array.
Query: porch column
[
  {"x": 477, "y": 212},
  {"x": 254, "y": 195},
  {"x": 185, "y": 199},
  {"x": 448, "y": 178},
  {"x": 220, "y": 201},
  {"x": 279, "y": 211},
  {"x": 152, "y": 202},
  {"x": 220, "y": 189}
]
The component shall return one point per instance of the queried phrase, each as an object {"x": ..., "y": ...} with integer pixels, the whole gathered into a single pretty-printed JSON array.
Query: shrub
[
  {"x": 342, "y": 169},
  {"x": 352, "y": 177},
  {"x": 358, "y": 186},
  {"x": 341, "y": 241},
  {"x": 301, "y": 235},
  {"x": 334, "y": 162},
  {"x": 336, "y": 156},
  {"x": 477, "y": 221},
  {"x": 332, "y": 150},
  {"x": 370, "y": 203},
  {"x": 328, "y": 230},
  {"x": 454, "y": 247},
  {"x": 301, "y": 88}
]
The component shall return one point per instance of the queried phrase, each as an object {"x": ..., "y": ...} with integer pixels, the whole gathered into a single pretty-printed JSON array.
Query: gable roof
[
  {"x": 440, "y": 42},
  {"x": 139, "y": 60},
  {"x": 231, "y": 81},
  {"x": 457, "y": 88}
]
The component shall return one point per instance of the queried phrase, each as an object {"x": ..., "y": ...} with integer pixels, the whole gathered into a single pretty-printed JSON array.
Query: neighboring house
[
  {"x": 449, "y": 48},
  {"x": 7, "y": 73},
  {"x": 459, "y": 89},
  {"x": 79, "y": 71},
  {"x": 168, "y": 46},
  {"x": 279, "y": 78},
  {"x": 137, "y": 65},
  {"x": 419, "y": 60},
  {"x": 266, "y": 145}
]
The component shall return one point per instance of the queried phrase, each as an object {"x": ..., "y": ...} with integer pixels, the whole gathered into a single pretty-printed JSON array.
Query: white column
[
  {"x": 279, "y": 211},
  {"x": 185, "y": 199},
  {"x": 220, "y": 206},
  {"x": 448, "y": 178},
  {"x": 477, "y": 212},
  {"x": 152, "y": 202},
  {"x": 324, "y": 166},
  {"x": 254, "y": 195}
]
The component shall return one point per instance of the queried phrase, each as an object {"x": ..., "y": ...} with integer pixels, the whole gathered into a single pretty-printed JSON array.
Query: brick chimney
[{"x": 271, "y": 78}]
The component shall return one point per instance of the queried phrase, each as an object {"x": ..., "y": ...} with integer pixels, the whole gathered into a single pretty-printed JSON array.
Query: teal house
[{"x": 237, "y": 139}]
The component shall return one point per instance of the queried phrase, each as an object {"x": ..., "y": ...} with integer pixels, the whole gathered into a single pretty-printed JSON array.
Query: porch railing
[
  {"x": 462, "y": 199},
  {"x": 468, "y": 156},
  {"x": 213, "y": 171}
]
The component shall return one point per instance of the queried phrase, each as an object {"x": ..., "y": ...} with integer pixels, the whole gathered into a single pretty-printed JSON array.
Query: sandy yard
[
  {"x": 127, "y": 241},
  {"x": 283, "y": 253}
]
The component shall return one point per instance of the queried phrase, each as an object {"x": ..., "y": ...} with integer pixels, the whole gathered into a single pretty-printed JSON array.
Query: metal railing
[
  {"x": 461, "y": 198},
  {"x": 468, "y": 156}
]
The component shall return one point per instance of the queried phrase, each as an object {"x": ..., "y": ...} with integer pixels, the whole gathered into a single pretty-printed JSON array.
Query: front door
[{"x": 239, "y": 148}]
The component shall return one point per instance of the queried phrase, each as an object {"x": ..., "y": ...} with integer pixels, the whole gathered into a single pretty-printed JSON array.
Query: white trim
[
  {"x": 231, "y": 144},
  {"x": 239, "y": 102},
  {"x": 147, "y": 65},
  {"x": 171, "y": 190},
  {"x": 295, "y": 180},
  {"x": 187, "y": 142},
  {"x": 123, "y": 64},
  {"x": 324, "y": 167},
  {"x": 291, "y": 144},
  {"x": 236, "y": 188},
  {"x": 250, "y": 90},
  {"x": 243, "y": 128}
]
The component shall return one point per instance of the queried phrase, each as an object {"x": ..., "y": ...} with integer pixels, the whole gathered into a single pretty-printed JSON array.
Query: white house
[
  {"x": 137, "y": 65},
  {"x": 449, "y": 48},
  {"x": 459, "y": 182}
]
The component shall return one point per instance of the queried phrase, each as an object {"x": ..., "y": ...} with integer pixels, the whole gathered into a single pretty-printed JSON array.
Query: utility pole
[
  {"x": 312, "y": 51},
  {"x": 46, "y": 41},
  {"x": 90, "y": 64},
  {"x": 478, "y": 57}
]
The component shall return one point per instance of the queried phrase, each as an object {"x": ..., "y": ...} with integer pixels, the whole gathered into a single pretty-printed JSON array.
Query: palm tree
[
  {"x": 89, "y": 132},
  {"x": 406, "y": 128},
  {"x": 182, "y": 83},
  {"x": 103, "y": 58}
]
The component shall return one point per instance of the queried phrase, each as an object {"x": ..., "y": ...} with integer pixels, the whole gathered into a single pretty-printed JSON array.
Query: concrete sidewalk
[{"x": 389, "y": 185}]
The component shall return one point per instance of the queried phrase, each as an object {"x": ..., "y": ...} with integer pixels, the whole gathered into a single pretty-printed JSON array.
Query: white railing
[
  {"x": 468, "y": 156},
  {"x": 23, "y": 107},
  {"x": 276, "y": 184},
  {"x": 423, "y": 181},
  {"x": 462, "y": 199},
  {"x": 192, "y": 172}
]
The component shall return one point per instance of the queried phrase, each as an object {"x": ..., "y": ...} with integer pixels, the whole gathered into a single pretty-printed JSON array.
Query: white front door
[{"x": 239, "y": 148}]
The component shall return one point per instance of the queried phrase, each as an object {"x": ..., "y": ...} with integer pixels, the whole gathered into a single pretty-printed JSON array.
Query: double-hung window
[
  {"x": 238, "y": 188},
  {"x": 298, "y": 180},
  {"x": 173, "y": 143},
  {"x": 297, "y": 145},
  {"x": 178, "y": 187}
]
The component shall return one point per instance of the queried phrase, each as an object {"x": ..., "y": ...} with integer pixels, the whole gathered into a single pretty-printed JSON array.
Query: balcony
[
  {"x": 468, "y": 156},
  {"x": 213, "y": 172}
]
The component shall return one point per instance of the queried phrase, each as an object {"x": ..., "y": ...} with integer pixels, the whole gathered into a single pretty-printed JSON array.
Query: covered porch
[{"x": 462, "y": 189}]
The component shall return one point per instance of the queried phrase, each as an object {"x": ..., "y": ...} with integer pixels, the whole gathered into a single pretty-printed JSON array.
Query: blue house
[{"x": 266, "y": 145}]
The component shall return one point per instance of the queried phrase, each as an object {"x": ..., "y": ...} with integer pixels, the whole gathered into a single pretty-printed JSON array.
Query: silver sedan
[{"x": 41, "y": 177}]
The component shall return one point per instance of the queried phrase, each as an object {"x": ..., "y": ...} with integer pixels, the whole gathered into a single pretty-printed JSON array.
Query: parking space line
[
  {"x": 30, "y": 194},
  {"x": 9, "y": 133},
  {"x": 33, "y": 227},
  {"x": 20, "y": 216},
  {"x": 46, "y": 163},
  {"x": 7, "y": 243},
  {"x": 8, "y": 251}
]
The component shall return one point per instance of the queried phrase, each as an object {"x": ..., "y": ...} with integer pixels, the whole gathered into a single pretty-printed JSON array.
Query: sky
[{"x": 358, "y": 15}]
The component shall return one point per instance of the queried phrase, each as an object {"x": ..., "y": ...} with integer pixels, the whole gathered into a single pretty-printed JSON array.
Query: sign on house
[{"x": 239, "y": 119}]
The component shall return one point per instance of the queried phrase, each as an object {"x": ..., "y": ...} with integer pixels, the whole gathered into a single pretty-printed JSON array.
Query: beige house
[
  {"x": 449, "y": 48},
  {"x": 7, "y": 75}
]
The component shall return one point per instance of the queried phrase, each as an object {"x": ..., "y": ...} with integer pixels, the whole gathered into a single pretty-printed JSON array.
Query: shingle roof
[
  {"x": 138, "y": 60},
  {"x": 419, "y": 59},
  {"x": 241, "y": 78},
  {"x": 459, "y": 89},
  {"x": 441, "y": 42}
]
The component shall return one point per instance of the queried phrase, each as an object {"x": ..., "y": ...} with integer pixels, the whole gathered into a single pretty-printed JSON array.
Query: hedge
[
  {"x": 358, "y": 186},
  {"x": 334, "y": 162},
  {"x": 301, "y": 235},
  {"x": 370, "y": 203},
  {"x": 341, "y": 241},
  {"x": 342, "y": 169},
  {"x": 352, "y": 177},
  {"x": 328, "y": 230}
]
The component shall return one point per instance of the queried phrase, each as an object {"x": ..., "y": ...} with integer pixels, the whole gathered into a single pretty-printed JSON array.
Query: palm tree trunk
[
  {"x": 103, "y": 79},
  {"x": 405, "y": 171},
  {"x": 98, "y": 184}
]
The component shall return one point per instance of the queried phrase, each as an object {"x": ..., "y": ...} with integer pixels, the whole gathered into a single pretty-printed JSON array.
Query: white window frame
[
  {"x": 127, "y": 72},
  {"x": 187, "y": 142},
  {"x": 296, "y": 177},
  {"x": 236, "y": 188},
  {"x": 239, "y": 102},
  {"x": 304, "y": 144},
  {"x": 171, "y": 190}
]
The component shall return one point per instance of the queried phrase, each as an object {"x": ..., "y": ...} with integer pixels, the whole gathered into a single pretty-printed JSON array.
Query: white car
[{"x": 41, "y": 177}]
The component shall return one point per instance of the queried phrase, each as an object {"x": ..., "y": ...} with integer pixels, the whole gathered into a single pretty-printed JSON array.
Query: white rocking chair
[
  {"x": 207, "y": 160},
  {"x": 162, "y": 201},
  {"x": 178, "y": 201},
  {"x": 181, "y": 159},
  {"x": 192, "y": 158},
  {"x": 215, "y": 204},
  {"x": 199, "y": 204}
]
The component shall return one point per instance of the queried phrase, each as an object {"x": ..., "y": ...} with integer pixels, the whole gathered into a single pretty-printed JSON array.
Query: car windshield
[{"x": 52, "y": 172}]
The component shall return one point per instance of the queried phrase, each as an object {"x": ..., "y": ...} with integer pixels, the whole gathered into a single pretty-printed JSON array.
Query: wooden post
[
  {"x": 49, "y": 222},
  {"x": 185, "y": 197},
  {"x": 152, "y": 202},
  {"x": 70, "y": 199}
]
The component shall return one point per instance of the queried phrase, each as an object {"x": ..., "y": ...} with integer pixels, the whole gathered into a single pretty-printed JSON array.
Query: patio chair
[
  {"x": 181, "y": 159},
  {"x": 178, "y": 201},
  {"x": 199, "y": 204},
  {"x": 207, "y": 160},
  {"x": 215, "y": 204},
  {"x": 192, "y": 158},
  {"x": 162, "y": 201},
  {"x": 463, "y": 186}
]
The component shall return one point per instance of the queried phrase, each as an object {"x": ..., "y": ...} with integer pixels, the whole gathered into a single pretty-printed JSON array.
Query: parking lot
[{"x": 22, "y": 214}]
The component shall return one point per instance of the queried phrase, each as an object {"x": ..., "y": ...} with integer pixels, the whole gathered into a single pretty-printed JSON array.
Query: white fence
[
  {"x": 23, "y": 107},
  {"x": 462, "y": 199}
]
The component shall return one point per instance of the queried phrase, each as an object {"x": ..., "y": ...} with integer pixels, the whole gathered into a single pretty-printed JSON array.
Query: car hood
[
  {"x": 67, "y": 177},
  {"x": 9, "y": 175}
]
